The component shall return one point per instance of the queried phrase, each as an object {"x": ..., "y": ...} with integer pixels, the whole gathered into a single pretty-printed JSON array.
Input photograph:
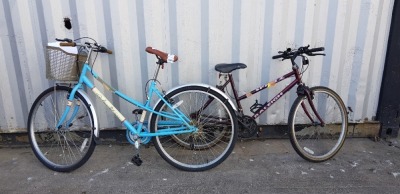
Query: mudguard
[
  {"x": 94, "y": 114},
  {"x": 206, "y": 86}
]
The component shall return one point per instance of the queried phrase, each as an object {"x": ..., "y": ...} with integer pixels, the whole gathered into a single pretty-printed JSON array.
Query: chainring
[
  {"x": 247, "y": 126},
  {"x": 131, "y": 137}
]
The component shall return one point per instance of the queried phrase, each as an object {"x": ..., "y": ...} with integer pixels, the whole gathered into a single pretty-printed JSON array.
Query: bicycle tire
[
  {"x": 67, "y": 148},
  {"x": 205, "y": 148},
  {"x": 314, "y": 142}
]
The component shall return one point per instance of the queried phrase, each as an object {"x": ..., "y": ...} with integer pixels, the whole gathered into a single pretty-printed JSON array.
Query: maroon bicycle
[{"x": 318, "y": 118}]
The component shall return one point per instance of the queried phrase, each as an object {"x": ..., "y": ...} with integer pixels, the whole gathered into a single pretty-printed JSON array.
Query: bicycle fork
[
  {"x": 70, "y": 102},
  {"x": 303, "y": 90}
]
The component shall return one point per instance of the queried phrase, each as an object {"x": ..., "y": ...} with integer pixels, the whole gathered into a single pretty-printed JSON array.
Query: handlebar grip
[
  {"x": 103, "y": 49},
  {"x": 67, "y": 44},
  {"x": 277, "y": 56},
  {"x": 316, "y": 49}
]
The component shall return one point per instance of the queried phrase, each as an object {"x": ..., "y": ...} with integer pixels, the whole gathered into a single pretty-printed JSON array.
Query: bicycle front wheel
[
  {"x": 312, "y": 140},
  {"x": 214, "y": 138},
  {"x": 70, "y": 146}
]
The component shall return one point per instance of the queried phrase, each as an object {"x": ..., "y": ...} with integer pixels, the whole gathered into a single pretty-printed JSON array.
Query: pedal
[
  {"x": 254, "y": 108},
  {"x": 136, "y": 160}
]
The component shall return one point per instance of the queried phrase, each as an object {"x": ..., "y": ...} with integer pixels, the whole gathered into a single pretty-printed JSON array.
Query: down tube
[{"x": 275, "y": 99}]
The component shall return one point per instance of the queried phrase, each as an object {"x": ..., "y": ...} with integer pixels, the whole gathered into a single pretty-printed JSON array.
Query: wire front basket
[{"x": 63, "y": 66}]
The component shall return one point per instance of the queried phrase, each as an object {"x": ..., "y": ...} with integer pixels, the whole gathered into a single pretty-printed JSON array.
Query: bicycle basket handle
[{"x": 164, "y": 56}]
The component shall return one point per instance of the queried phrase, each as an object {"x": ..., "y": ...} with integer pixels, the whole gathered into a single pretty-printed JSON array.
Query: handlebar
[
  {"x": 277, "y": 56},
  {"x": 289, "y": 54},
  {"x": 95, "y": 47},
  {"x": 63, "y": 40},
  {"x": 316, "y": 49}
]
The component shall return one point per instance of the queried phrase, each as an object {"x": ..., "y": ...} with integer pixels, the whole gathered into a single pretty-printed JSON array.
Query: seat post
[
  {"x": 156, "y": 73},
  {"x": 239, "y": 106},
  {"x": 160, "y": 64}
]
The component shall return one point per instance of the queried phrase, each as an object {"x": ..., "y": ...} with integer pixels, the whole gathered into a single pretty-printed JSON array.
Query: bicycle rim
[
  {"x": 312, "y": 141},
  {"x": 68, "y": 147}
]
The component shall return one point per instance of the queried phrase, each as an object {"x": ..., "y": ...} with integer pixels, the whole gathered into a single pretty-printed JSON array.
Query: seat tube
[{"x": 239, "y": 106}]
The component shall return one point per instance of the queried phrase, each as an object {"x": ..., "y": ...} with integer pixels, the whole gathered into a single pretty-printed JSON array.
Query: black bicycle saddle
[{"x": 229, "y": 67}]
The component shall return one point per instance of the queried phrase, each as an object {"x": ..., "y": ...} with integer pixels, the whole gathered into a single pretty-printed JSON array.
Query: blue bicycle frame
[{"x": 178, "y": 123}]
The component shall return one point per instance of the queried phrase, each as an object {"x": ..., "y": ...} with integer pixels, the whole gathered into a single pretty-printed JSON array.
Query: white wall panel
[
  {"x": 251, "y": 39},
  {"x": 203, "y": 33}
]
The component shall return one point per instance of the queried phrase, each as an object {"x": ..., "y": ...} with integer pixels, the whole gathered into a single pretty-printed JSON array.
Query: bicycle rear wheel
[
  {"x": 69, "y": 147},
  {"x": 215, "y": 138},
  {"x": 312, "y": 141}
]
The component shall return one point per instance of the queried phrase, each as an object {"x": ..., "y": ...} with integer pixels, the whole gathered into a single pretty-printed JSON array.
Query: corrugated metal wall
[{"x": 203, "y": 33}]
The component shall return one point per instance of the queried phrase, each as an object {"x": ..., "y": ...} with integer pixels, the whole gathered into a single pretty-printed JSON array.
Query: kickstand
[{"x": 136, "y": 158}]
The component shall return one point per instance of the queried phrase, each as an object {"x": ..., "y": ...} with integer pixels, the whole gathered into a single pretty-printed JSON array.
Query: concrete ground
[{"x": 255, "y": 166}]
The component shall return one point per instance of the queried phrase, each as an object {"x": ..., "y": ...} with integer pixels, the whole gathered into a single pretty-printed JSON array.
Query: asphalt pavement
[{"x": 255, "y": 166}]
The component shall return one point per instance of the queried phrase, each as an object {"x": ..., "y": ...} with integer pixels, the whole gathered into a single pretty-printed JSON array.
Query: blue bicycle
[{"x": 63, "y": 126}]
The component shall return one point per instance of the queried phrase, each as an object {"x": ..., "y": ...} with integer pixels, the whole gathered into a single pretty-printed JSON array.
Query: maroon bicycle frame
[
  {"x": 268, "y": 104},
  {"x": 265, "y": 106}
]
